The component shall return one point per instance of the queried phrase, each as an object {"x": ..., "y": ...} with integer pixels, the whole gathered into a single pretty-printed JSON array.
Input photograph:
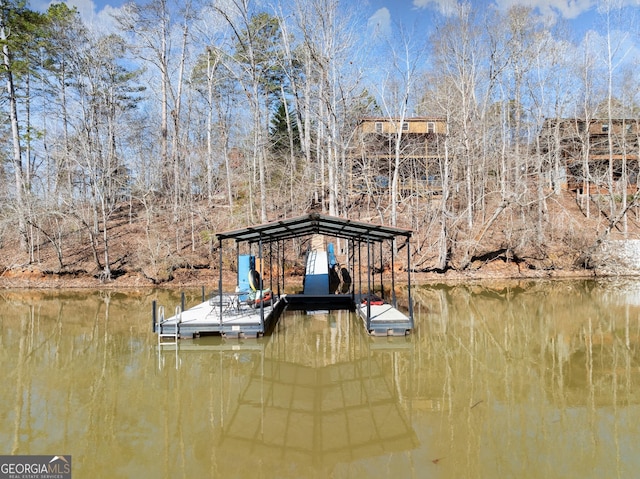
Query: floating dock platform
[
  {"x": 384, "y": 320},
  {"x": 233, "y": 319},
  {"x": 241, "y": 320}
]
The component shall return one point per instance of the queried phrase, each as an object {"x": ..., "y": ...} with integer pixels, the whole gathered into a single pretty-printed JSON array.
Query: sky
[
  {"x": 386, "y": 15},
  {"x": 96, "y": 12},
  {"x": 580, "y": 15}
]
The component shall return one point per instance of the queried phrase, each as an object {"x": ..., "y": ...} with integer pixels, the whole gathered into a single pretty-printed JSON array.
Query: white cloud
[
  {"x": 86, "y": 8},
  {"x": 446, "y": 7},
  {"x": 101, "y": 21},
  {"x": 568, "y": 9},
  {"x": 380, "y": 22},
  {"x": 104, "y": 21}
]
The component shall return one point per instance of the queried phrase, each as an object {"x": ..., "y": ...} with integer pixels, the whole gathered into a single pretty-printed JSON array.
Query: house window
[
  {"x": 405, "y": 126},
  {"x": 605, "y": 127},
  {"x": 431, "y": 127},
  {"x": 378, "y": 127}
]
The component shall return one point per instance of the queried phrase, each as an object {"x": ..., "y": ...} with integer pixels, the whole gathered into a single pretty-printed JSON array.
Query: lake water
[{"x": 522, "y": 379}]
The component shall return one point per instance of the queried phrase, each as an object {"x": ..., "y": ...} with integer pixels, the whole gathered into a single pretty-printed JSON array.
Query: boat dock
[
  {"x": 246, "y": 322},
  {"x": 258, "y": 302}
]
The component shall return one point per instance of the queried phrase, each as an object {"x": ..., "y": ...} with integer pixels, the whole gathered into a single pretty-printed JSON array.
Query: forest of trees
[{"x": 206, "y": 115}]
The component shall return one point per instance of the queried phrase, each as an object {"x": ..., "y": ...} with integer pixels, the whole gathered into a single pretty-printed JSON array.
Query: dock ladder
[{"x": 166, "y": 339}]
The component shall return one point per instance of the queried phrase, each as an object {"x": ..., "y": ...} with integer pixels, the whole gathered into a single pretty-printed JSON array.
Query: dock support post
[
  {"x": 281, "y": 249},
  {"x": 409, "y": 282},
  {"x": 220, "y": 277},
  {"x": 261, "y": 284},
  {"x": 394, "y": 300},
  {"x": 270, "y": 265},
  {"x": 182, "y": 300},
  {"x": 203, "y": 298},
  {"x": 360, "y": 268},
  {"x": 154, "y": 314},
  {"x": 381, "y": 271},
  {"x": 351, "y": 266},
  {"x": 368, "y": 285}
]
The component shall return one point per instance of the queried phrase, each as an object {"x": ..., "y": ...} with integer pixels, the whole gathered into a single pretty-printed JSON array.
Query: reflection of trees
[
  {"x": 607, "y": 364},
  {"x": 548, "y": 329},
  {"x": 543, "y": 361},
  {"x": 492, "y": 378},
  {"x": 23, "y": 354},
  {"x": 70, "y": 356}
]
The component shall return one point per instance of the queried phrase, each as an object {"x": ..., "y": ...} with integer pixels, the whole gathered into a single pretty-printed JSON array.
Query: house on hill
[
  {"x": 600, "y": 155},
  {"x": 416, "y": 141}
]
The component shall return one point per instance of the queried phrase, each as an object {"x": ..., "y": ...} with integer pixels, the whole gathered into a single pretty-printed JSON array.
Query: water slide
[{"x": 316, "y": 276}]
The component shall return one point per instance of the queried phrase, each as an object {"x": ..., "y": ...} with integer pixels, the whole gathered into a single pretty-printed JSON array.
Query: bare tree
[
  {"x": 150, "y": 28},
  {"x": 616, "y": 51},
  {"x": 397, "y": 93},
  {"x": 324, "y": 94},
  {"x": 586, "y": 111},
  {"x": 106, "y": 92}
]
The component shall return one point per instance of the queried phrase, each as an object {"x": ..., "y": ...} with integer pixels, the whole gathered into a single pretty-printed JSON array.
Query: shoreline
[{"x": 35, "y": 279}]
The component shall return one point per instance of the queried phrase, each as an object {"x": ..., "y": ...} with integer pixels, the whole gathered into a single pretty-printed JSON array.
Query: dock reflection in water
[
  {"x": 300, "y": 411},
  {"x": 519, "y": 379}
]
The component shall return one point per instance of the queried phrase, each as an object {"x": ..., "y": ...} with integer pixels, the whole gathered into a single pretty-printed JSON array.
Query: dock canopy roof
[{"x": 315, "y": 223}]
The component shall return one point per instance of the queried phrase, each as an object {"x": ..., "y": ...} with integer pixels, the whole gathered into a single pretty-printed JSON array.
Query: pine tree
[{"x": 281, "y": 140}]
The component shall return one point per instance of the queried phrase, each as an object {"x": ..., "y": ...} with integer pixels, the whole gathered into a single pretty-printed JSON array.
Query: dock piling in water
[{"x": 154, "y": 316}]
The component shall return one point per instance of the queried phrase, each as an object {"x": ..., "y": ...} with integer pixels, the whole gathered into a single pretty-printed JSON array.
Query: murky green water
[{"x": 527, "y": 380}]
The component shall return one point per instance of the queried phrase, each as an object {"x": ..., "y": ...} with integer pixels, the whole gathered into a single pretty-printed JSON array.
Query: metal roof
[{"x": 315, "y": 223}]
